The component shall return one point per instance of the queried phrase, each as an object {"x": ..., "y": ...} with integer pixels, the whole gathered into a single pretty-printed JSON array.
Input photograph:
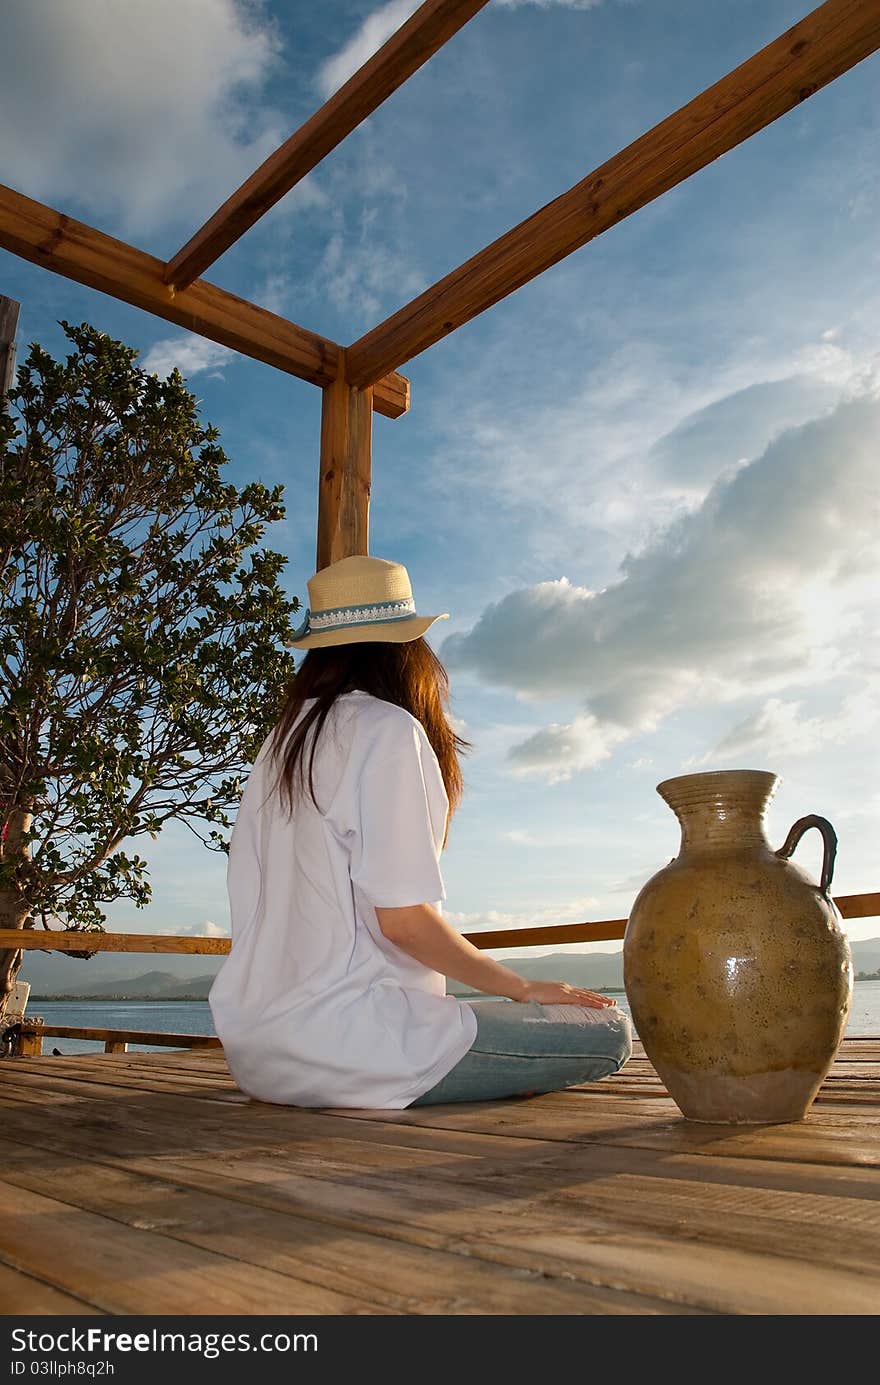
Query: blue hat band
[{"x": 348, "y": 617}]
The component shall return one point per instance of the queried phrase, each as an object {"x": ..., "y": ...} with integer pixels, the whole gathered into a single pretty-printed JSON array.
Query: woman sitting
[{"x": 334, "y": 992}]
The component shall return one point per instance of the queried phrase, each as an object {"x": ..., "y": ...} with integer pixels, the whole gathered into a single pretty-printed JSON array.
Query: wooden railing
[{"x": 32, "y": 1033}]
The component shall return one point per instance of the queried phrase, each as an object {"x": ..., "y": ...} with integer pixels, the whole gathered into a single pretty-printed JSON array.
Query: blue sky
[{"x": 645, "y": 486}]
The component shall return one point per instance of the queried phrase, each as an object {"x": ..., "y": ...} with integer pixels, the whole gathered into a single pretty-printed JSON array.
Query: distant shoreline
[
  {"x": 190, "y": 999},
  {"x": 187, "y": 999},
  {"x": 141, "y": 999}
]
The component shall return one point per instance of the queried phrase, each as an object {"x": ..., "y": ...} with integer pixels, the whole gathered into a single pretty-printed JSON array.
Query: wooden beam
[
  {"x": 859, "y": 906},
  {"x": 9, "y": 310},
  {"x": 850, "y": 906},
  {"x": 115, "y": 1040},
  {"x": 345, "y": 475},
  {"x": 550, "y": 935},
  {"x": 76, "y": 251},
  {"x": 825, "y": 44},
  {"x": 50, "y": 941},
  {"x": 432, "y": 25}
]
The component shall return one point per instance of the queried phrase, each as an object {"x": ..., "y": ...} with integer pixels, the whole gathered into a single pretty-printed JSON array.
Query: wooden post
[
  {"x": 9, "y": 310},
  {"x": 115, "y": 1046},
  {"x": 344, "y": 485},
  {"x": 30, "y": 1041}
]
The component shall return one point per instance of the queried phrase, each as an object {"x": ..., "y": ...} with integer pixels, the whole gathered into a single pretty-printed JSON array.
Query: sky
[{"x": 645, "y": 487}]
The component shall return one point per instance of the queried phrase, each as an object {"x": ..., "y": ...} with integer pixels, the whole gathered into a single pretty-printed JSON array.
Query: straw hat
[{"x": 358, "y": 599}]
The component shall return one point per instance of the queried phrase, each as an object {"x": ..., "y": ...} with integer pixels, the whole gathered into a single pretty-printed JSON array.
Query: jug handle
[{"x": 829, "y": 837}]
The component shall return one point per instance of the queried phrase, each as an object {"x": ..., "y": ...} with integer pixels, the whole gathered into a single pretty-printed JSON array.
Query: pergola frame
[{"x": 362, "y": 377}]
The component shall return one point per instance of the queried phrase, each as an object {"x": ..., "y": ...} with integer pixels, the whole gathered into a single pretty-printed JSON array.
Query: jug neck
[{"x": 721, "y": 811}]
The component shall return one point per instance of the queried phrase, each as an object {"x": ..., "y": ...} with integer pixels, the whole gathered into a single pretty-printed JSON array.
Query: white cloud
[
  {"x": 550, "y": 4},
  {"x": 189, "y": 354},
  {"x": 780, "y": 726},
  {"x": 769, "y": 582},
  {"x": 739, "y": 426},
  {"x": 623, "y": 448},
  {"x": 573, "y": 911},
  {"x": 275, "y": 292},
  {"x": 378, "y": 27},
  {"x": 375, "y": 30},
  {"x": 207, "y": 929},
  {"x": 561, "y": 751},
  {"x": 631, "y": 884},
  {"x": 359, "y": 276},
  {"x": 145, "y": 112}
]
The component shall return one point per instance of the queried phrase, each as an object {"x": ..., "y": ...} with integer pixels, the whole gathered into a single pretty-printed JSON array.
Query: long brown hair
[{"x": 408, "y": 674}]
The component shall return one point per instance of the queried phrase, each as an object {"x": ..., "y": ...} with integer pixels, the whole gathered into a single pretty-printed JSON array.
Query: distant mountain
[
  {"x": 152, "y": 985},
  {"x": 598, "y": 971},
  {"x": 866, "y": 955},
  {"x": 121, "y": 977},
  {"x": 592, "y": 971},
  {"x": 114, "y": 973}
]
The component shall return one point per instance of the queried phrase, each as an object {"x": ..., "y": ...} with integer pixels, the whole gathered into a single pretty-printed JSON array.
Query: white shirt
[{"x": 314, "y": 1005}]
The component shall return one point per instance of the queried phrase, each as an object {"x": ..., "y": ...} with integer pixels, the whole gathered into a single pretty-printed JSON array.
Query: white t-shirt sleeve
[{"x": 402, "y": 811}]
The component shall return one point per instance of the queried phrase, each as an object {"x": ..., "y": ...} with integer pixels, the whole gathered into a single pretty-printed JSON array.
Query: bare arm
[{"x": 424, "y": 934}]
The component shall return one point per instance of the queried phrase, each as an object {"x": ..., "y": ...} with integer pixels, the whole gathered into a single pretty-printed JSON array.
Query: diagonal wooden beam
[
  {"x": 432, "y": 25},
  {"x": 819, "y": 48},
  {"x": 76, "y": 251}
]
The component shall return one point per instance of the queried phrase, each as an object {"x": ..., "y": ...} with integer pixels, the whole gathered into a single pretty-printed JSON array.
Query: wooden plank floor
[{"x": 146, "y": 1183}]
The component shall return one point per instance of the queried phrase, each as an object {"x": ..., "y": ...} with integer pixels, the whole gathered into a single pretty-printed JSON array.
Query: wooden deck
[{"x": 145, "y": 1183}]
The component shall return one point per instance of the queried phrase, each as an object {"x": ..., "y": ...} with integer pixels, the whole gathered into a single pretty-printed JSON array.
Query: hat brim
[{"x": 389, "y": 632}]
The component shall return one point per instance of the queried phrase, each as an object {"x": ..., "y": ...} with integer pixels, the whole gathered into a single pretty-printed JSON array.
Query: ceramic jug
[{"x": 736, "y": 967}]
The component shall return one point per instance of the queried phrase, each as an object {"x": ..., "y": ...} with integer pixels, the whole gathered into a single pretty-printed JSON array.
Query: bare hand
[{"x": 560, "y": 993}]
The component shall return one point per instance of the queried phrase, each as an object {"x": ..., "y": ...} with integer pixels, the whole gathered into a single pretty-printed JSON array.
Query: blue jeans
[{"x": 525, "y": 1048}]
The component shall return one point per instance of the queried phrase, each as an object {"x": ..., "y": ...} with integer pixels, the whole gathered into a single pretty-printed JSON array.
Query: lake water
[
  {"x": 194, "y": 1016},
  {"x": 161, "y": 1016}
]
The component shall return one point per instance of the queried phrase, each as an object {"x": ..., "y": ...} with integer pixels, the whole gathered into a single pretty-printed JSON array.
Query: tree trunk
[
  {"x": 14, "y": 912},
  {"x": 14, "y": 909},
  {"x": 8, "y": 326}
]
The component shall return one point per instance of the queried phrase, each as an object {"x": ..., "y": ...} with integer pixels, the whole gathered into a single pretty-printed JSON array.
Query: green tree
[{"x": 141, "y": 655}]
